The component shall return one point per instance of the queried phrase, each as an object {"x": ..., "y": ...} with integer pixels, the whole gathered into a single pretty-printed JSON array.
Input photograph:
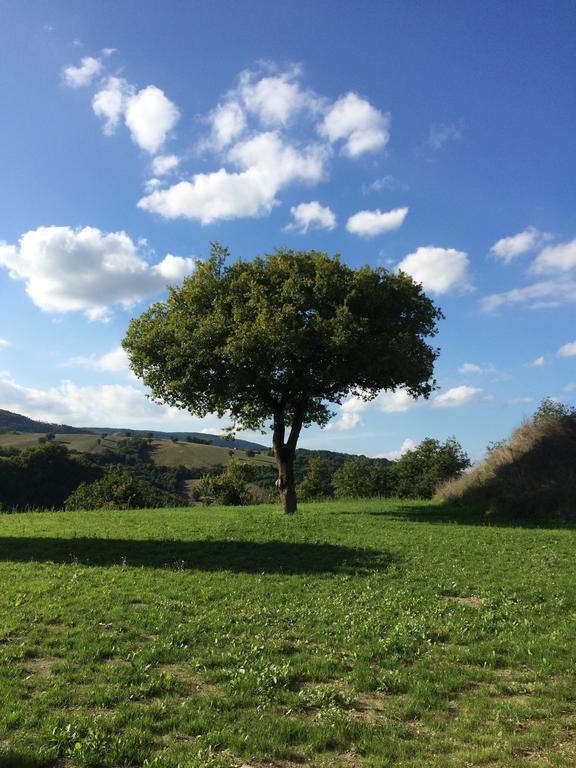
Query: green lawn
[{"x": 366, "y": 633}]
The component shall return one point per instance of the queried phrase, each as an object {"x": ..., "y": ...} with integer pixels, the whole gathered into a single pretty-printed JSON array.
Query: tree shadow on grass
[
  {"x": 414, "y": 512},
  {"x": 204, "y": 555}
]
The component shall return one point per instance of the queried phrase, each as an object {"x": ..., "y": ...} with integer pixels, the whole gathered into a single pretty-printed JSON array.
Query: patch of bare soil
[
  {"x": 41, "y": 667},
  {"x": 471, "y": 602}
]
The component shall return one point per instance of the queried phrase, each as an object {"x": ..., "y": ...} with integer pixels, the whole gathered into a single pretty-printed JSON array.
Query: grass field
[{"x": 364, "y": 633}]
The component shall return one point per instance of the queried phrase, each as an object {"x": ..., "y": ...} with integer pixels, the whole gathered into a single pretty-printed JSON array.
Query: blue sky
[{"x": 436, "y": 137}]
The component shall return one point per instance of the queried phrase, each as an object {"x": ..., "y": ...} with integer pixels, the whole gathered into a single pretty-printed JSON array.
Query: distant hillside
[{"x": 15, "y": 422}]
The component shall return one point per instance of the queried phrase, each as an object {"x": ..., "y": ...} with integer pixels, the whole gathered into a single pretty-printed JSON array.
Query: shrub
[
  {"x": 360, "y": 477},
  {"x": 118, "y": 489},
  {"x": 419, "y": 472},
  {"x": 317, "y": 483},
  {"x": 229, "y": 487}
]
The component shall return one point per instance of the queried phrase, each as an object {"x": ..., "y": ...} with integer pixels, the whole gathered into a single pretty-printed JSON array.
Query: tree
[
  {"x": 118, "y": 489},
  {"x": 229, "y": 487},
  {"x": 419, "y": 472},
  {"x": 317, "y": 482},
  {"x": 552, "y": 410},
  {"x": 361, "y": 477},
  {"x": 281, "y": 337}
]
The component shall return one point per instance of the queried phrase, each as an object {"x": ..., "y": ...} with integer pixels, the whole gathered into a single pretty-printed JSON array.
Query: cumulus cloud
[
  {"x": 407, "y": 445},
  {"x": 276, "y": 99},
  {"x": 149, "y": 114},
  {"x": 439, "y": 270},
  {"x": 568, "y": 350},
  {"x": 163, "y": 164},
  {"x": 442, "y": 134},
  {"x": 110, "y": 102},
  {"x": 460, "y": 396},
  {"x": 5, "y": 343},
  {"x": 541, "y": 295},
  {"x": 373, "y": 223},
  {"x": 309, "y": 216},
  {"x": 538, "y": 362},
  {"x": 119, "y": 405},
  {"x": 227, "y": 121},
  {"x": 87, "y": 270},
  {"x": 556, "y": 258},
  {"x": 354, "y": 121},
  {"x": 267, "y": 165},
  {"x": 115, "y": 361},
  {"x": 398, "y": 401},
  {"x": 83, "y": 75},
  {"x": 509, "y": 248}
]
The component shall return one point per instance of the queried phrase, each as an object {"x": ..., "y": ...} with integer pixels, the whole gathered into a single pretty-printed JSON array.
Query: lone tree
[{"x": 280, "y": 338}]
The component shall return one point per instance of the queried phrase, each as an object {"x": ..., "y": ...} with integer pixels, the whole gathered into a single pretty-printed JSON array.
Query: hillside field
[
  {"x": 163, "y": 452},
  {"x": 355, "y": 634}
]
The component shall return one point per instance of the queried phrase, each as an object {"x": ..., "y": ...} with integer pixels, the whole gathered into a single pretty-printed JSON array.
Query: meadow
[{"x": 355, "y": 634}]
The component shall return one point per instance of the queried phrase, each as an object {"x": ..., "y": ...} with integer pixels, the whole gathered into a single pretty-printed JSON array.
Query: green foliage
[
  {"x": 552, "y": 410},
  {"x": 419, "y": 472},
  {"x": 361, "y": 477},
  {"x": 317, "y": 483},
  {"x": 42, "y": 477},
  {"x": 119, "y": 489},
  {"x": 288, "y": 328},
  {"x": 282, "y": 337},
  {"x": 229, "y": 487}
]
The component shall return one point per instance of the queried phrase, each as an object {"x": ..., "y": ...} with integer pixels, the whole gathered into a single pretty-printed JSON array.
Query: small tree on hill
[
  {"x": 419, "y": 472},
  {"x": 280, "y": 338},
  {"x": 361, "y": 477},
  {"x": 317, "y": 482}
]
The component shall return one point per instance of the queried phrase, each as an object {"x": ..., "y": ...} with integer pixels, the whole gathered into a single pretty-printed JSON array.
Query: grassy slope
[
  {"x": 209, "y": 637},
  {"x": 164, "y": 452}
]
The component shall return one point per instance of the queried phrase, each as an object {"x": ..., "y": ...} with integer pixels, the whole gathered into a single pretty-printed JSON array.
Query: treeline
[
  {"x": 124, "y": 475},
  {"x": 52, "y": 477}
]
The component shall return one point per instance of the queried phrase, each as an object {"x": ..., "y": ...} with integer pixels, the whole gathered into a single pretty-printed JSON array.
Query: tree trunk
[
  {"x": 285, "y": 453},
  {"x": 285, "y": 483}
]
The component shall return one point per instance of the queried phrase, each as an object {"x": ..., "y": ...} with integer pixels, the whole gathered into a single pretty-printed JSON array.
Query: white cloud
[
  {"x": 276, "y": 99},
  {"x": 460, "y": 396},
  {"x": 378, "y": 185},
  {"x": 570, "y": 388},
  {"x": 556, "y": 258},
  {"x": 115, "y": 361},
  {"x": 372, "y": 223},
  {"x": 538, "y": 362},
  {"x": 163, "y": 164},
  {"x": 87, "y": 270},
  {"x": 78, "y": 77},
  {"x": 472, "y": 368},
  {"x": 345, "y": 422},
  {"x": 442, "y": 134},
  {"x": 110, "y": 102},
  {"x": 407, "y": 445},
  {"x": 267, "y": 166},
  {"x": 5, "y": 343},
  {"x": 228, "y": 121},
  {"x": 509, "y": 248},
  {"x": 311, "y": 216},
  {"x": 150, "y": 116},
  {"x": 398, "y": 401},
  {"x": 568, "y": 350},
  {"x": 439, "y": 270},
  {"x": 542, "y": 295},
  {"x": 357, "y": 123},
  {"x": 111, "y": 405}
]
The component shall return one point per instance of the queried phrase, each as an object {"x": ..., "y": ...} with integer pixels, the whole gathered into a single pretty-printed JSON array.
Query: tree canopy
[{"x": 280, "y": 338}]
